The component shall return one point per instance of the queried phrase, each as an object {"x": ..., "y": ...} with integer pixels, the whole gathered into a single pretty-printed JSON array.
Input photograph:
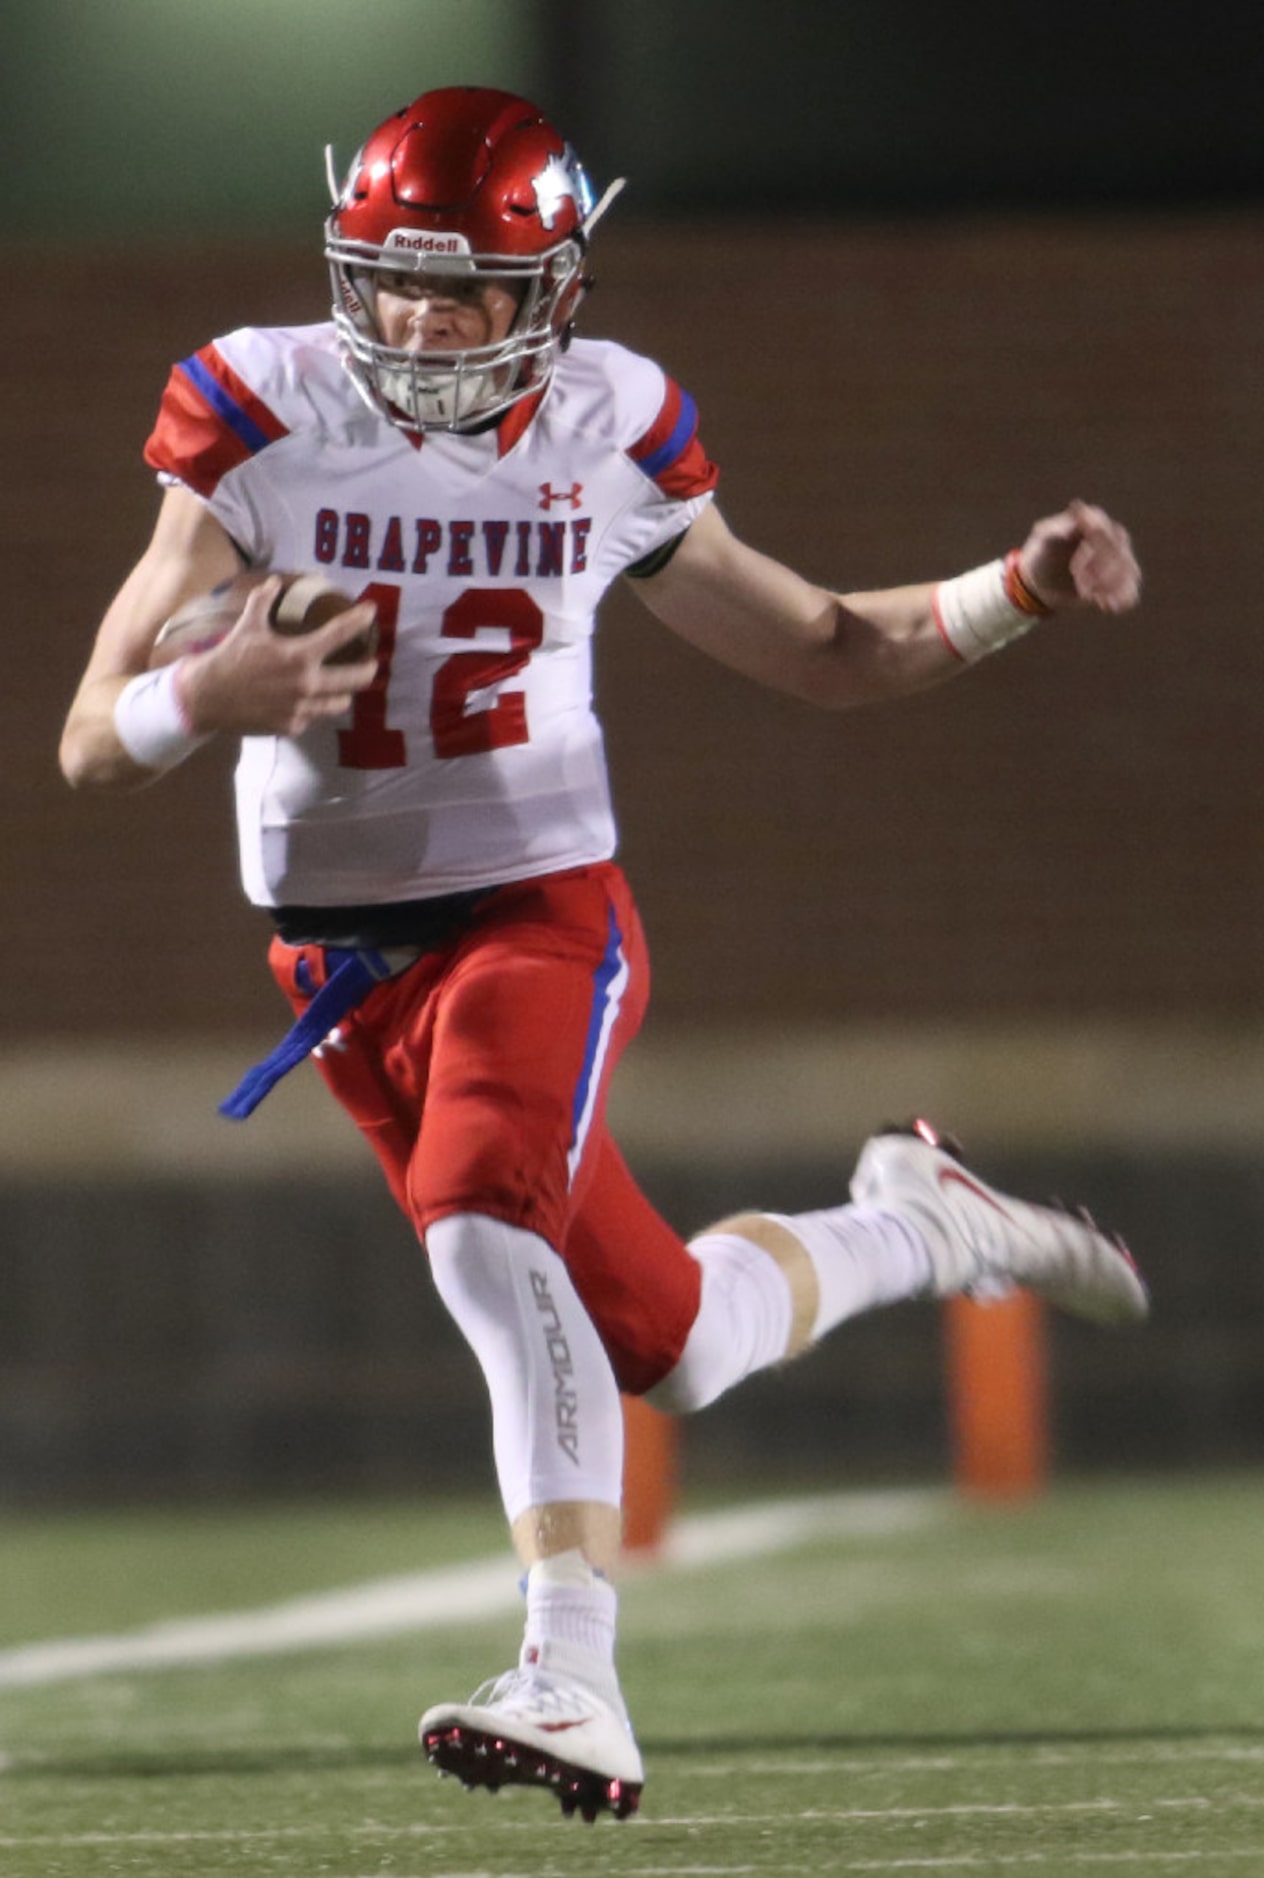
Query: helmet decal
[{"x": 561, "y": 180}]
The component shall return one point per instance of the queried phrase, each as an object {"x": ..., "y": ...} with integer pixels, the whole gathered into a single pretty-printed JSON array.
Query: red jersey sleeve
[
  {"x": 671, "y": 454},
  {"x": 209, "y": 422}
]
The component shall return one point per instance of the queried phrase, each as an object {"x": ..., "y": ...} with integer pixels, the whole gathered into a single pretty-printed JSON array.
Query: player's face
[{"x": 443, "y": 313}]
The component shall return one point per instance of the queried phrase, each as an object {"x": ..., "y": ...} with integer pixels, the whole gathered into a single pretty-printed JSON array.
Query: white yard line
[
  {"x": 975, "y": 1759},
  {"x": 647, "y": 1824},
  {"x": 455, "y": 1594},
  {"x": 1061, "y": 1861}
]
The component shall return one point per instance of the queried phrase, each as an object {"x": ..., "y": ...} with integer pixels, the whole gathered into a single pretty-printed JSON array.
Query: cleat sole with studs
[{"x": 479, "y": 1759}]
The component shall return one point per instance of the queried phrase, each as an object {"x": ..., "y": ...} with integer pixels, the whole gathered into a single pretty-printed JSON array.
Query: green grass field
[{"x": 1075, "y": 1686}]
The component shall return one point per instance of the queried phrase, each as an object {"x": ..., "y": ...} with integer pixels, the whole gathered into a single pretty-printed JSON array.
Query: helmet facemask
[{"x": 452, "y": 388}]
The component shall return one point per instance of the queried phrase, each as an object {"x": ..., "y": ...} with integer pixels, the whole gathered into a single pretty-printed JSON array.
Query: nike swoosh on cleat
[
  {"x": 946, "y": 1174},
  {"x": 557, "y": 1728}
]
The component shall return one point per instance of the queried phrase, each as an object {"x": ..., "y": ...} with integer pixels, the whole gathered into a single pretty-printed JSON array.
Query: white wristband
[
  {"x": 983, "y": 610},
  {"x": 150, "y": 720}
]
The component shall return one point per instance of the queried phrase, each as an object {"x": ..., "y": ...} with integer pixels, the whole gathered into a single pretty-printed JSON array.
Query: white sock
[
  {"x": 569, "y": 1601},
  {"x": 862, "y": 1256}
]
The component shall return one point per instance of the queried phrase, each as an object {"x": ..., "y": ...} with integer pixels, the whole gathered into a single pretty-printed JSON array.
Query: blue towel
[{"x": 351, "y": 978}]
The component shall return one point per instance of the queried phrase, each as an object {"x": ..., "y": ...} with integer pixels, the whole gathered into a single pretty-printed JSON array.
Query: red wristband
[{"x": 1017, "y": 592}]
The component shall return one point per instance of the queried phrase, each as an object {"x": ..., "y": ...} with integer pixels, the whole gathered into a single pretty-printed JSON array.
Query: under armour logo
[{"x": 549, "y": 495}]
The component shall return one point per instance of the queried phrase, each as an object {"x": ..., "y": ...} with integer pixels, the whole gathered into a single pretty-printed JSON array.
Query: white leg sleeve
[
  {"x": 743, "y": 1323},
  {"x": 557, "y": 1423}
]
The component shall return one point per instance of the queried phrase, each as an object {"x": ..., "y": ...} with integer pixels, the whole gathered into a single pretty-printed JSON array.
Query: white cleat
[
  {"x": 984, "y": 1243},
  {"x": 543, "y": 1725}
]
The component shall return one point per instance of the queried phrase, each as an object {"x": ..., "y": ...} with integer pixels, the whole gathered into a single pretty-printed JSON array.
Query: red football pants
[{"x": 479, "y": 1077}]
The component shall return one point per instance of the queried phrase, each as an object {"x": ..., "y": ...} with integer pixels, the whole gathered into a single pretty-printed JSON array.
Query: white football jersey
[{"x": 475, "y": 757}]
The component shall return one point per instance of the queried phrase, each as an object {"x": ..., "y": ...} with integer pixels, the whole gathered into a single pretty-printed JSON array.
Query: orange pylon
[
  {"x": 650, "y": 1471},
  {"x": 997, "y": 1382}
]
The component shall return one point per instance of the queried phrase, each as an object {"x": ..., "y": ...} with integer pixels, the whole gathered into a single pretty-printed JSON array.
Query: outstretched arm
[{"x": 837, "y": 650}]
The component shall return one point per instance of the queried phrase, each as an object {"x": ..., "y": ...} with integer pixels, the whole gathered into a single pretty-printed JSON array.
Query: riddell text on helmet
[
  {"x": 422, "y": 544},
  {"x": 410, "y": 241}
]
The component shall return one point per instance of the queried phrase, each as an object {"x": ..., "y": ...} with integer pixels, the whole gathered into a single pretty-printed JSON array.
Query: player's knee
[
  {"x": 459, "y": 1232},
  {"x": 693, "y": 1384},
  {"x": 472, "y": 1259},
  {"x": 704, "y": 1368},
  {"x": 745, "y": 1323}
]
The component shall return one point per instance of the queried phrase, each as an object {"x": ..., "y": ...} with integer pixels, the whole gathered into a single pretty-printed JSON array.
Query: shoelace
[{"x": 524, "y": 1691}]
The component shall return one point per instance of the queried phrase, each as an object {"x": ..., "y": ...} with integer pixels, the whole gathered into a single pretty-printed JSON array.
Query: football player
[{"x": 429, "y": 829}]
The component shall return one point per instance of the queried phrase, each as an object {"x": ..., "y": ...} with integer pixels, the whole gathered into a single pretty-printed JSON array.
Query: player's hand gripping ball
[{"x": 305, "y": 602}]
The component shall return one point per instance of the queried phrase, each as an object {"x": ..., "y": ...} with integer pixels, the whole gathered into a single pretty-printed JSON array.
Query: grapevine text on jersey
[{"x": 519, "y": 550}]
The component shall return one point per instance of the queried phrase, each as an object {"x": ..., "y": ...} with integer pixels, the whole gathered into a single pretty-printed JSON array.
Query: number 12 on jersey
[{"x": 469, "y": 712}]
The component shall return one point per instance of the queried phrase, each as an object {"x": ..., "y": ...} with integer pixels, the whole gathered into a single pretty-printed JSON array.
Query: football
[{"x": 306, "y": 602}]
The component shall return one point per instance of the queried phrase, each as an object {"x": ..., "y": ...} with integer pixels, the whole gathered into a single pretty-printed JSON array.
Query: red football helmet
[{"x": 468, "y": 186}]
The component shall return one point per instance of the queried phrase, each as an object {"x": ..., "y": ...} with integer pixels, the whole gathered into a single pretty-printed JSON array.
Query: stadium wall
[{"x": 192, "y": 1339}]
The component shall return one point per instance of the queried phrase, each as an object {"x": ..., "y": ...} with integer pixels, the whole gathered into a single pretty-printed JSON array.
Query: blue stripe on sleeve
[
  {"x": 224, "y": 404},
  {"x": 682, "y": 431}
]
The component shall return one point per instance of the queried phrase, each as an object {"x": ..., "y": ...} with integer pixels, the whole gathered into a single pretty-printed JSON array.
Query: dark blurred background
[{"x": 929, "y": 271}]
